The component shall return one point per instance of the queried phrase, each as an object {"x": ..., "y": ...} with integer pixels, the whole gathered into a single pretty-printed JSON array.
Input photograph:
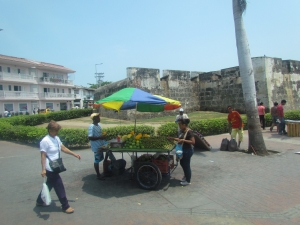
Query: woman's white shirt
[{"x": 52, "y": 147}]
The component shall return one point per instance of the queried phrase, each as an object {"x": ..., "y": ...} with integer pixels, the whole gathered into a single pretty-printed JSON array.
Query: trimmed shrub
[
  {"x": 290, "y": 115},
  {"x": 37, "y": 119},
  {"x": 205, "y": 127}
]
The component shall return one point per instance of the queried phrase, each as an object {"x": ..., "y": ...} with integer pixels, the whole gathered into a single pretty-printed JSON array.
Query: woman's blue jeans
[{"x": 185, "y": 163}]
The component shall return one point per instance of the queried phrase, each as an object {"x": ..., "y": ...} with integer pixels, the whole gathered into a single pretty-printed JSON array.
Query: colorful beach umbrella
[
  {"x": 134, "y": 98},
  {"x": 171, "y": 104}
]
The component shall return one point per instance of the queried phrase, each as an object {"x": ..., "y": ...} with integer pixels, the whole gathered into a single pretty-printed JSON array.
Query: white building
[
  {"x": 26, "y": 84},
  {"x": 84, "y": 97}
]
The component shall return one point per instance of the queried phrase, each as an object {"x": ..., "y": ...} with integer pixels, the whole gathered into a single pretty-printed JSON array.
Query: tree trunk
[{"x": 256, "y": 141}]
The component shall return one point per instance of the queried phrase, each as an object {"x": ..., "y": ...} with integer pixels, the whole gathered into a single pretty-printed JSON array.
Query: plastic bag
[{"x": 45, "y": 194}]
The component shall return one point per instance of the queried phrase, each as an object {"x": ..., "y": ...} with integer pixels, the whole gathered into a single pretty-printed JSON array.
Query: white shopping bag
[{"x": 45, "y": 195}]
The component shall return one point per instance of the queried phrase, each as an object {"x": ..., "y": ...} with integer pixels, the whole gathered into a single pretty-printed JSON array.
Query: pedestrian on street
[
  {"x": 51, "y": 146},
  {"x": 261, "y": 113},
  {"x": 96, "y": 137},
  {"x": 280, "y": 114},
  {"x": 38, "y": 110},
  {"x": 5, "y": 112},
  {"x": 181, "y": 115},
  {"x": 34, "y": 111},
  {"x": 274, "y": 117},
  {"x": 235, "y": 124},
  {"x": 186, "y": 138}
]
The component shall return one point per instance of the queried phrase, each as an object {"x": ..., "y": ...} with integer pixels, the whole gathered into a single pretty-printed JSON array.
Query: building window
[
  {"x": 19, "y": 71},
  {"x": 17, "y": 88},
  {"x": 1, "y": 87},
  {"x": 70, "y": 91},
  {"x": 9, "y": 87},
  {"x": 45, "y": 75},
  {"x": 76, "y": 92},
  {"x": 0, "y": 68},
  {"x": 62, "y": 90},
  {"x": 22, "y": 107},
  {"x": 8, "y": 69},
  {"x": 9, "y": 107},
  {"x": 49, "y": 105},
  {"x": 54, "y": 90},
  {"x": 57, "y": 90}
]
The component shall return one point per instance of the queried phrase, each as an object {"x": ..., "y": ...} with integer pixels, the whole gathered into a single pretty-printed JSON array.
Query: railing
[
  {"x": 17, "y": 77},
  {"x": 18, "y": 95},
  {"x": 55, "y": 80},
  {"x": 56, "y": 95}
]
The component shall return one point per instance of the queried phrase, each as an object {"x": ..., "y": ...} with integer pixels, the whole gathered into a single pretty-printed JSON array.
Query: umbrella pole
[{"x": 135, "y": 118}]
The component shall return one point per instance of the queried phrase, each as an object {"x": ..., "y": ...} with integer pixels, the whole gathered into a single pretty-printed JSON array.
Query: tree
[
  {"x": 256, "y": 141},
  {"x": 95, "y": 86}
]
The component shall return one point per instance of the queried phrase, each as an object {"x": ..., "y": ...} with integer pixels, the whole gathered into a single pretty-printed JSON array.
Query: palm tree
[{"x": 256, "y": 141}]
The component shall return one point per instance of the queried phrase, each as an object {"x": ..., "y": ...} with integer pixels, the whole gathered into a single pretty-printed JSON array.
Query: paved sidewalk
[{"x": 227, "y": 188}]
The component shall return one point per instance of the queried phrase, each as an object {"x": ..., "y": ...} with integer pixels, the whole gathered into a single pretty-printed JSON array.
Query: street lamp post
[{"x": 98, "y": 76}]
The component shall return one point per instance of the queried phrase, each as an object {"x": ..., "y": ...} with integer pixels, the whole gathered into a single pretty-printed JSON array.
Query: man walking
[
  {"x": 235, "y": 125},
  {"x": 96, "y": 138},
  {"x": 274, "y": 116},
  {"x": 280, "y": 115}
]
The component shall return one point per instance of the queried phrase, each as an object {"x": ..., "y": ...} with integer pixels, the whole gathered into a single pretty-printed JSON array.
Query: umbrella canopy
[
  {"x": 171, "y": 104},
  {"x": 134, "y": 98}
]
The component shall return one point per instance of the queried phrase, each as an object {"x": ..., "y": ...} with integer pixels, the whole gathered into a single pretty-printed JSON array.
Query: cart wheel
[{"x": 148, "y": 176}]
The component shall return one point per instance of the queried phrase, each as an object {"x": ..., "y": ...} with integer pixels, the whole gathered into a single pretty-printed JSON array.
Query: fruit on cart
[
  {"x": 124, "y": 138},
  {"x": 157, "y": 143}
]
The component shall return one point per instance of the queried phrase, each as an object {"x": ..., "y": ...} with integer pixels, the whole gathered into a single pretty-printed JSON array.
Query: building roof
[{"x": 33, "y": 63}]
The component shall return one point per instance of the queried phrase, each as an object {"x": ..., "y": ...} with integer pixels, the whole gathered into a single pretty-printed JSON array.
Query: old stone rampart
[{"x": 275, "y": 79}]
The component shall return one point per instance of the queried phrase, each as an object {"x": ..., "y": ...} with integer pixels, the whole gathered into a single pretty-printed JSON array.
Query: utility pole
[{"x": 98, "y": 76}]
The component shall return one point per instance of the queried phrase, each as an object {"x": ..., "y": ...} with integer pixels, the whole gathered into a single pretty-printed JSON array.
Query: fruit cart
[{"x": 146, "y": 169}]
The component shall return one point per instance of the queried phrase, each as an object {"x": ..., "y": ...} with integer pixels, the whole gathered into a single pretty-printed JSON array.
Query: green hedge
[
  {"x": 290, "y": 115},
  {"x": 21, "y": 128},
  {"x": 70, "y": 137},
  {"x": 205, "y": 127},
  {"x": 33, "y": 120}
]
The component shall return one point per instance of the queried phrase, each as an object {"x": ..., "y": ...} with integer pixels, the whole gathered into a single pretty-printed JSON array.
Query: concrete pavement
[{"x": 227, "y": 188}]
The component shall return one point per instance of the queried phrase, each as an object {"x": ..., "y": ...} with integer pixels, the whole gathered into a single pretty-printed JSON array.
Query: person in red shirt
[
  {"x": 280, "y": 115},
  {"x": 261, "y": 113},
  {"x": 235, "y": 124}
]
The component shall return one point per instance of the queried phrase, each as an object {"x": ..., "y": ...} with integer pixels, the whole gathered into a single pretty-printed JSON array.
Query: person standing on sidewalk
[
  {"x": 96, "y": 138},
  {"x": 274, "y": 116},
  {"x": 50, "y": 147},
  {"x": 261, "y": 113},
  {"x": 235, "y": 124},
  {"x": 280, "y": 115},
  {"x": 186, "y": 138}
]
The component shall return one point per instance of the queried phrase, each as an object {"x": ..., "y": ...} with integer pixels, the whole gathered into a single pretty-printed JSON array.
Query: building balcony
[
  {"x": 57, "y": 81},
  {"x": 51, "y": 95},
  {"x": 17, "y": 95},
  {"x": 17, "y": 77}
]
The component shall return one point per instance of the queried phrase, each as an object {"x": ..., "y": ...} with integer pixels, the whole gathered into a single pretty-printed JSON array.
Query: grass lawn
[{"x": 198, "y": 115}]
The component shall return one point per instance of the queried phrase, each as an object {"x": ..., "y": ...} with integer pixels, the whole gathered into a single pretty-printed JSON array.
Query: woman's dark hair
[
  {"x": 261, "y": 103},
  {"x": 275, "y": 103},
  {"x": 184, "y": 121}
]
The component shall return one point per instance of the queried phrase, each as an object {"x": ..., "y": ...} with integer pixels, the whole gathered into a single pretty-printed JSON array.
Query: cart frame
[{"x": 147, "y": 174}]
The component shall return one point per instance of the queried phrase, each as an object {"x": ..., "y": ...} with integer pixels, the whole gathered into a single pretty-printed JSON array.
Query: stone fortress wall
[{"x": 275, "y": 79}]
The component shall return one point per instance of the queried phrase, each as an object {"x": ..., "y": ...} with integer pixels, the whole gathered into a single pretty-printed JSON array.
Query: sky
[{"x": 192, "y": 35}]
